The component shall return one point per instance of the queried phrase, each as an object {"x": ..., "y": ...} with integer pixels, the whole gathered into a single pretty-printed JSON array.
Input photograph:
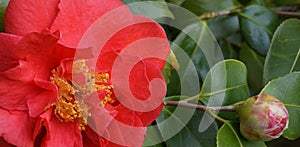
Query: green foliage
[
  {"x": 283, "y": 57},
  {"x": 257, "y": 25},
  {"x": 255, "y": 66},
  {"x": 201, "y": 6},
  {"x": 230, "y": 136},
  {"x": 260, "y": 47},
  {"x": 226, "y": 83},
  {"x": 154, "y": 9},
  {"x": 3, "y": 5},
  {"x": 191, "y": 46},
  {"x": 186, "y": 121},
  {"x": 265, "y": 51},
  {"x": 287, "y": 90}
]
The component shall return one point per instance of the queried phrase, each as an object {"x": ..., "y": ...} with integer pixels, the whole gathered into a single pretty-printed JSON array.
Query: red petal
[
  {"x": 140, "y": 29},
  {"x": 60, "y": 133},
  {"x": 125, "y": 130},
  {"x": 3, "y": 143},
  {"x": 37, "y": 51},
  {"x": 37, "y": 104},
  {"x": 148, "y": 117},
  {"x": 127, "y": 116},
  {"x": 17, "y": 83},
  {"x": 25, "y": 16},
  {"x": 140, "y": 78},
  {"x": 90, "y": 138},
  {"x": 14, "y": 93},
  {"x": 76, "y": 16},
  {"x": 8, "y": 42},
  {"x": 17, "y": 128}
]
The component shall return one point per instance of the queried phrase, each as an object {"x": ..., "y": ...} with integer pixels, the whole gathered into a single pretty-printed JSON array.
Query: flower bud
[{"x": 262, "y": 117}]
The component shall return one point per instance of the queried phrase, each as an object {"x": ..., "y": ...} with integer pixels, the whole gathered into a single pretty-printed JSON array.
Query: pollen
[{"x": 69, "y": 109}]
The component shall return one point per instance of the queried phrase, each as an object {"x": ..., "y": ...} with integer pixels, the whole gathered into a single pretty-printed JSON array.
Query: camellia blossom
[
  {"x": 263, "y": 117},
  {"x": 47, "y": 94}
]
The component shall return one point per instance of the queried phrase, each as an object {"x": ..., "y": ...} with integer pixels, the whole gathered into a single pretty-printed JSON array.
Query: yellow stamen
[{"x": 69, "y": 109}]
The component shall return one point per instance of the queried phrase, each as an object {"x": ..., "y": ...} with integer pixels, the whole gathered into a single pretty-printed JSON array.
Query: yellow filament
[{"x": 69, "y": 109}]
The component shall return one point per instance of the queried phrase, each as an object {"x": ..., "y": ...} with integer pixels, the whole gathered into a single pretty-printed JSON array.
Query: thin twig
[
  {"x": 287, "y": 14},
  {"x": 200, "y": 107},
  {"x": 214, "y": 14},
  {"x": 287, "y": 8}
]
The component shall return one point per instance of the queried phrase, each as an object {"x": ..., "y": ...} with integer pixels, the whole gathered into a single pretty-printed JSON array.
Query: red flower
[{"x": 49, "y": 93}]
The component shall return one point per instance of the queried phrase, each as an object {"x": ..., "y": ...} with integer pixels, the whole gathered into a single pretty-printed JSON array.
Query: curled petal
[{"x": 59, "y": 133}]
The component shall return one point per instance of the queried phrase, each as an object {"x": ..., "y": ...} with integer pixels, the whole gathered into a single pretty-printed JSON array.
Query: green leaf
[
  {"x": 196, "y": 50},
  {"x": 229, "y": 136},
  {"x": 226, "y": 83},
  {"x": 199, "y": 7},
  {"x": 223, "y": 26},
  {"x": 287, "y": 90},
  {"x": 3, "y": 5},
  {"x": 153, "y": 137},
  {"x": 257, "y": 24},
  {"x": 176, "y": 2},
  {"x": 199, "y": 35},
  {"x": 154, "y": 9},
  {"x": 228, "y": 51},
  {"x": 179, "y": 127},
  {"x": 255, "y": 66},
  {"x": 283, "y": 57}
]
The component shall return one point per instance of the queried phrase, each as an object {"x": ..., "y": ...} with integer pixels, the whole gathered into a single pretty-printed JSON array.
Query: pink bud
[{"x": 263, "y": 117}]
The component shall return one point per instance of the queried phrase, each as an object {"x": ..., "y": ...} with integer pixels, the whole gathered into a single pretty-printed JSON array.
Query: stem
[
  {"x": 284, "y": 11},
  {"x": 288, "y": 14},
  {"x": 200, "y": 107},
  {"x": 196, "y": 97},
  {"x": 216, "y": 116},
  {"x": 214, "y": 14},
  {"x": 287, "y": 8}
]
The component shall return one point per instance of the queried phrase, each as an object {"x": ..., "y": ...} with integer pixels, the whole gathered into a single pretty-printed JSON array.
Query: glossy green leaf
[
  {"x": 3, "y": 5},
  {"x": 223, "y": 26},
  {"x": 195, "y": 49},
  {"x": 154, "y": 9},
  {"x": 255, "y": 66},
  {"x": 257, "y": 24},
  {"x": 153, "y": 137},
  {"x": 228, "y": 51},
  {"x": 287, "y": 89},
  {"x": 201, "y": 6},
  {"x": 179, "y": 127},
  {"x": 229, "y": 136},
  {"x": 191, "y": 45},
  {"x": 226, "y": 83},
  {"x": 283, "y": 57}
]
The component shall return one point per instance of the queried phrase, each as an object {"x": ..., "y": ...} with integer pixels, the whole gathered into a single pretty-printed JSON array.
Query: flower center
[{"x": 69, "y": 109}]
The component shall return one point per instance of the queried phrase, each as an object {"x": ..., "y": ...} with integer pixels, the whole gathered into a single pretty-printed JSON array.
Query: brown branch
[
  {"x": 200, "y": 107},
  {"x": 288, "y": 14},
  {"x": 214, "y": 14},
  {"x": 287, "y": 8}
]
